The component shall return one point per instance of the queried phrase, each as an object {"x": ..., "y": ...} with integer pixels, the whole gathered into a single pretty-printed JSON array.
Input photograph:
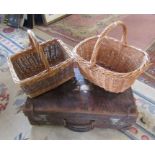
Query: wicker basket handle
[
  {"x": 102, "y": 36},
  {"x": 38, "y": 48}
]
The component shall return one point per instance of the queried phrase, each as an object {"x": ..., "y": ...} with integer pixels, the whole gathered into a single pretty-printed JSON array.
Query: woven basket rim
[
  {"x": 40, "y": 74},
  {"x": 145, "y": 59}
]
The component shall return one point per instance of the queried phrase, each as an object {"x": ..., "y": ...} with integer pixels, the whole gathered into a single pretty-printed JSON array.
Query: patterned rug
[
  {"x": 11, "y": 41},
  {"x": 74, "y": 28},
  {"x": 149, "y": 76},
  {"x": 14, "y": 125}
]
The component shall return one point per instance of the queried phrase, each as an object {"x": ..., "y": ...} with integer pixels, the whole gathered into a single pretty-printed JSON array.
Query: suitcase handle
[{"x": 79, "y": 127}]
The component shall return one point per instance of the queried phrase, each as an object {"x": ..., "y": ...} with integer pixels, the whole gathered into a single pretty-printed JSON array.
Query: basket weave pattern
[
  {"x": 42, "y": 67},
  {"x": 110, "y": 63}
]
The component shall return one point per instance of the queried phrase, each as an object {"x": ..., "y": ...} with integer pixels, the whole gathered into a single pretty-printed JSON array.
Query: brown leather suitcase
[{"x": 81, "y": 106}]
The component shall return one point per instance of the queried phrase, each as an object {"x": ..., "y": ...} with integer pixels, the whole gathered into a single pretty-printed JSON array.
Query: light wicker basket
[
  {"x": 109, "y": 63},
  {"x": 42, "y": 67}
]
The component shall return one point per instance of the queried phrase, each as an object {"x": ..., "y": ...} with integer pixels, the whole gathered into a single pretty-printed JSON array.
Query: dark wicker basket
[{"x": 42, "y": 67}]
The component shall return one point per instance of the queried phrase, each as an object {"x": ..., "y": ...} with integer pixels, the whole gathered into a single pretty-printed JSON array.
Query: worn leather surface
[{"x": 78, "y": 102}]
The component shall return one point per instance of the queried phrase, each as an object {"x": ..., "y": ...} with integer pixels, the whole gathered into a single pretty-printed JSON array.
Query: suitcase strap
[{"x": 79, "y": 127}]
